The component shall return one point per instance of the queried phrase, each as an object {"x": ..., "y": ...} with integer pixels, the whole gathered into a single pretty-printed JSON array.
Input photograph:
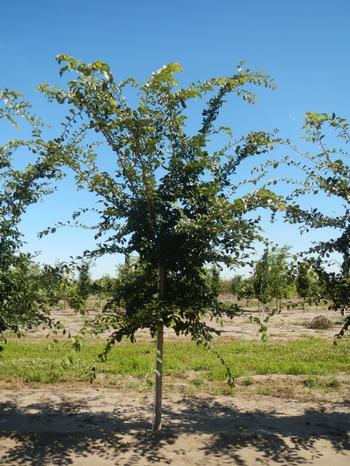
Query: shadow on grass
[{"x": 56, "y": 434}]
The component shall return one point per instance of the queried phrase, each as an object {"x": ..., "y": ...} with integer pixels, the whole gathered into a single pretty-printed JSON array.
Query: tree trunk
[
  {"x": 158, "y": 387},
  {"x": 304, "y": 299}
]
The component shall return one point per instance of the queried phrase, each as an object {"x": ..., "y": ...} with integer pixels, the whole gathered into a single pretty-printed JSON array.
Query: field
[{"x": 289, "y": 404}]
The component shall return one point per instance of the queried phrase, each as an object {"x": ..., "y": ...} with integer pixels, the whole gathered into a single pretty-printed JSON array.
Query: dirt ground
[
  {"x": 290, "y": 324},
  {"x": 57, "y": 426},
  {"x": 83, "y": 426}
]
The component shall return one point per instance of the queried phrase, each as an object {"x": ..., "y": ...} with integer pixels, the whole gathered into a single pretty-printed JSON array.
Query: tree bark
[{"x": 158, "y": 387}]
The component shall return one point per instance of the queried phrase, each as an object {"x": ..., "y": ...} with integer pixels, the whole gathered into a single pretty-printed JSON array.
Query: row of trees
[
  {"x": 276, "y": 278},
  {"x": 166, "y": 197}
]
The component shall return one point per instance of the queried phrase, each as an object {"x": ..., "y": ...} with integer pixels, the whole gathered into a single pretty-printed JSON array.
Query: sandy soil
[
  {"x": 59, "y": 426},
  {"x": 290, "y": 324},
  {"x": 83, "y": 426}
]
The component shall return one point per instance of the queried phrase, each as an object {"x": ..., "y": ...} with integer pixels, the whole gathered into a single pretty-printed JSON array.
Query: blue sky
[{"x": 303, "y": 45}]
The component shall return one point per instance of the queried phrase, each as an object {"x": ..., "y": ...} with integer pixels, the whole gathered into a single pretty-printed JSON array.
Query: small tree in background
[
  {"x": 262, "y": 281},
  {"x": 248, "y": 290},
  {"x": 225, "y": 286},
  {"x": 104, "y": 288},
  {"x": 280, "y": 281},
  {"x": 53, "y": 282},
  {"x": 169, "y": 198},
  {"x": 237, "y": 286},
  {"x": 242, "y": 288},
  {"x": 307, "y": 283},
  {"x": 271, "y": 279},
  {"x": 81, "y": 287}
]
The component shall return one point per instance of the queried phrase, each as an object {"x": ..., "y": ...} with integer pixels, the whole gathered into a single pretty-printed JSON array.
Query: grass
[
  {"x": 316, "y": 382},
  {"x": 132, "y": 365}
]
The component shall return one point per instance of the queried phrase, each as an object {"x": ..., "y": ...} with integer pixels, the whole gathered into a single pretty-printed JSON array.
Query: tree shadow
[{"x": 56, "y": 433}]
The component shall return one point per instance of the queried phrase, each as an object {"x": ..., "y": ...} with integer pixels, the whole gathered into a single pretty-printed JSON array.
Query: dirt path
[{"x": 62, "y": 426}]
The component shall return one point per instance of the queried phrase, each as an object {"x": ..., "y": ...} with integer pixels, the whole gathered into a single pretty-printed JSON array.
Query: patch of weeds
[
  {"x": 265, "y": 389},
  {"x": 312, "y": 382},
  {"x": 222, "y": 388},
  {"x": 333, "y": 383},
  {"x": 138, "y": 386},
  {"x": 316, "y": 383},
  {"x": 198, "y": 383},
  {"x": 247, "y": 381}
]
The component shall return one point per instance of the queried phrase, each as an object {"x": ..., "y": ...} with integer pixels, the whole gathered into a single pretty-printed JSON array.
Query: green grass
[
  {"x": 315, "y": 382},
  {"x": 185, "y": 362}
]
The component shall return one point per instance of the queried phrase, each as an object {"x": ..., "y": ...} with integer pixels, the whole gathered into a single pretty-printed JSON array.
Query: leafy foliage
[
  {"x": 242, "y": 287},
  {"x": 281, "y": 279},
  {"x": 170, "y": 199},
  {"x": 136, "y": 293},
  {"x": 79, "y": 290},
  {"x": 22, "y": 300},
  {"x": 308, "y": 283},
  {"x": 262, "y": 278},
  {"x": 328, "y": 172}
]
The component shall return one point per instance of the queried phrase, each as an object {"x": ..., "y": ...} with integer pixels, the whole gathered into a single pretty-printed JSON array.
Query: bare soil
[
  {"x": 104, "y": 427},
  {"x": 290, "y": 324}
]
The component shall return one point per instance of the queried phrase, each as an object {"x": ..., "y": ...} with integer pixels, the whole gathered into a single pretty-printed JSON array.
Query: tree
[
  {"x": 169, "y": 199},
  {"x": 225, "y": 286},
  {"x": 104, "y": 288},
  {"x": 23, "y": 304},
  {"x": 328, "y": 174},
  {"x": 242, "y": 288},
  {"x": 248, "y": 289},
  {"x": 280, "y": 281},
  {"x": 80, "y": 287},
  {"x": 262, "y": 279},
  {"x": 307, "y": 283},
  {"x": 272, "y": 278},
  {"x": 237, "y": 286}
]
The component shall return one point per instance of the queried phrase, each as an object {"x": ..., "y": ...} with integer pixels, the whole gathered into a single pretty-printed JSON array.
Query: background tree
[
  {"x": 248, "y": 289},
  {"x": 225, "y": 286},
  {"x": 262, "y": 280},
  {"x": 23, "y": 304},
  {"x": 242, "y": 288},
  {"x": 281, "y": 280},
  {"x": 104, "y": 288},
  {"x": 80, "y": 287},
  {"x": 237, "y": 286},
  {"x": 307, "y": 283},
  {"x": 53, "y": 282},
  {"x": 169, "y": 198},
  {"x": 327, "y": 173}
]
